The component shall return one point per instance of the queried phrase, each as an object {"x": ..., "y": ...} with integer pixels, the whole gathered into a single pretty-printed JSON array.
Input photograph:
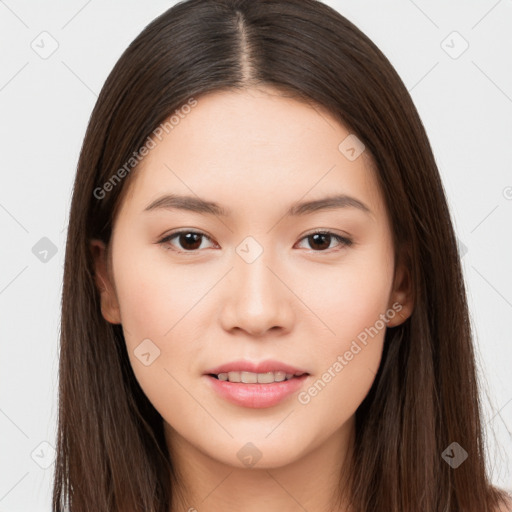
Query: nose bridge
[
  {"x": 257, "y": 300},
  {"x": 255, "y": 279}
]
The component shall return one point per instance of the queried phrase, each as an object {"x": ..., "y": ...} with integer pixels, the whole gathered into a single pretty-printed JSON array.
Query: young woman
[{"x": 263, "y": 304}]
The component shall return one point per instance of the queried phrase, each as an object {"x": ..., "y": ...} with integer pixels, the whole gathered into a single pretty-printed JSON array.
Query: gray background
[{"x": 464, "y": 100}]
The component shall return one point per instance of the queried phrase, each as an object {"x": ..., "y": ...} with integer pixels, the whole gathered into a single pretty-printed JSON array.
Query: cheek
[
  {"x": 155, "y": 314},
  {"x": 346, "y": 366},
  {"x": 352, "y": 298},
  {"x": 154, "y": 295},
  {"x": 351, "y": 306},
  {"x": 144, "y": 303}
]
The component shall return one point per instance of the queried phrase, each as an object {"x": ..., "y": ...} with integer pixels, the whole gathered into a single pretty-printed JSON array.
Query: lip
[
  {"x": 255, "y": 395},
  {"x": 269, "y": 365}
]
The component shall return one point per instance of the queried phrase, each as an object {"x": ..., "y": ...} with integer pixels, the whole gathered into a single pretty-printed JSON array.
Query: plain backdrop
[{"x": 455, "y": 59}]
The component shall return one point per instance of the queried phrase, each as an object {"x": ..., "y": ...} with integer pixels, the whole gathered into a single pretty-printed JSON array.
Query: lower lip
[{"x": 256, "y": 396}]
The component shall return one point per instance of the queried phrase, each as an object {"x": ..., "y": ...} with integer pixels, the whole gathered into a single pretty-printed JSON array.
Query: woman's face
[{"x": 255, "y": 284}]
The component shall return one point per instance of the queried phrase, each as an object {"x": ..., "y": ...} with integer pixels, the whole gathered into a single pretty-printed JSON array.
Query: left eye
[
  {"x": 191, "y": 240},
  {"x": 323, "y": 238}
]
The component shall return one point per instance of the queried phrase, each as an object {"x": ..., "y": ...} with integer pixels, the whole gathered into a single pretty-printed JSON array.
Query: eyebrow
[{"x": 198, "y": 205}]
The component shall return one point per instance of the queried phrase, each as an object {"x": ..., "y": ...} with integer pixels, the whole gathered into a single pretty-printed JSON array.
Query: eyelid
[
  {"x": 346, "y": 237},
  {"x": 166, "y": 239},
  {"x": 344, "y": 240}
]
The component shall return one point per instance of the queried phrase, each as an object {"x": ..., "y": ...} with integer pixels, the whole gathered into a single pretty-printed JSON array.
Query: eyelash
[{"x": 344, "y": 241}]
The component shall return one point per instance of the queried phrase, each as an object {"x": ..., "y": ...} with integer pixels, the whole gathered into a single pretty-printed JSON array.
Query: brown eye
[
  {"x": 320, "y": 241},
  {"x": 188, "y": 241}
]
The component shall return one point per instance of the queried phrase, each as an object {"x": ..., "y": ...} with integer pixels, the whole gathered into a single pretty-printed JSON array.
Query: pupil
[
  {"x": 318, "y": 236},
  {"x": 188, "y": 238}
]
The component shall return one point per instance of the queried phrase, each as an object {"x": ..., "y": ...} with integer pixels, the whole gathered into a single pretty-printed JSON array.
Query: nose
[{"x": 256, "y": 298}]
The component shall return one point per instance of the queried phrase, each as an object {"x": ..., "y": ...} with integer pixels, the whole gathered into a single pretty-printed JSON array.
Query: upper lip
[{"x": 268, "y": 365}]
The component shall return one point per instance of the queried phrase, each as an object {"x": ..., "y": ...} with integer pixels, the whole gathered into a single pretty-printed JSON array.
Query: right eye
[{"x": 190, "y": 241}]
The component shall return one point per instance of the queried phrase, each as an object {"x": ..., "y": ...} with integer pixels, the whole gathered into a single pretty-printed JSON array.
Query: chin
[{"x": 261, "y": 451}]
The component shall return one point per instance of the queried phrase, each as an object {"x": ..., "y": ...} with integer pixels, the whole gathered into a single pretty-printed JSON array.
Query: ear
[
  {"x": 104, "y": 283},
  {"x": 402, "y": 294}
]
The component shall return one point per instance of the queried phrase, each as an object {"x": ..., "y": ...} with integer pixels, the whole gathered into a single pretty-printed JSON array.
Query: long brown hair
[{"x": 111, "y": 452}]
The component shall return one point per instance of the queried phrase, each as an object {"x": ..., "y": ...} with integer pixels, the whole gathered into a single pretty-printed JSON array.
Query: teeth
[
  {"x": 248, "y": 377},
  {"x": 255, "y": 378}
]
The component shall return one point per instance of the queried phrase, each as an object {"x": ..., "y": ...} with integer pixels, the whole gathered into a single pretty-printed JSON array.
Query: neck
[{"x": 312, "y": 482}]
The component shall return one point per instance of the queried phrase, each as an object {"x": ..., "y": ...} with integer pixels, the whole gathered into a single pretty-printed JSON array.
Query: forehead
[{"x": 251, "y": 145}]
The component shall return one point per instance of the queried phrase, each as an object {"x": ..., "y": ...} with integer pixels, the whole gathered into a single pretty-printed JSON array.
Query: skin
[{"x": 254, "y": 152}]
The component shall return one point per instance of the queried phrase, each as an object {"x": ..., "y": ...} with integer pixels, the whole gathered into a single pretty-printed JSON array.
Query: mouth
[
  {"x": 247, "y": 377},
  {"x": 255, "y": 386}
]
